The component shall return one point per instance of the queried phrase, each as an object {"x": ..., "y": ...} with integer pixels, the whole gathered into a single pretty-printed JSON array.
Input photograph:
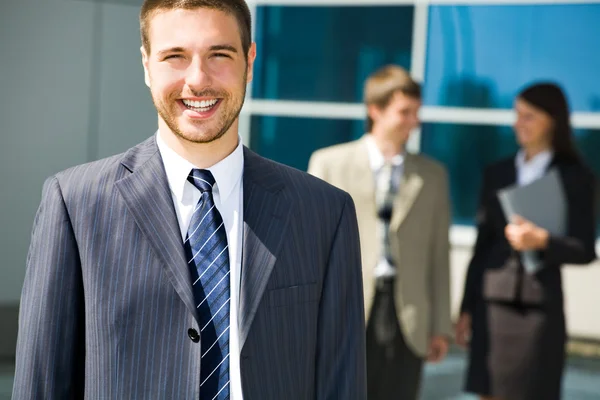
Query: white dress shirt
[
  {"x": 228, "y": 196},
  {"x": 377, "y": 161},
  {"x": 535, "y": 168}
]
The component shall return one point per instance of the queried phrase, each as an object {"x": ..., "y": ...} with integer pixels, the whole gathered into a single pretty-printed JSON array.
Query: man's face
[
  {"x": 398, "y": 119},
  {"x": 197, "y": 72}
]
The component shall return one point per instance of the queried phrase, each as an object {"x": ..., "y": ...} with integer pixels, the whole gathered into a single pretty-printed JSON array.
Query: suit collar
[
  {"x": 360, "y": 171},
  {"x": 540, "y": 161},
  {"x": 147, "y": 195},
  {"x": 137, "y": 156},
  {"x": 226, "y": 172},
  {"x": 410, "y": 187},
  {"x": 376, "y": 158},
  {"x": 528, "y": 171},
  {"x": 267, "y": 212},
  {"x": 262, "y": 172},
  {"x": 266, "y": 217}
]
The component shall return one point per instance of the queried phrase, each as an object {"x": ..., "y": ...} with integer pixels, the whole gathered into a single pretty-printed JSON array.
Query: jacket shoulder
[
  {"x": 302, "y": 188},
  {"x": 96, "y": 179},
  {"x": 106, "y": 170},
  {"x": 88, "y": 172},
  {"x": 335, "y": 152},
  {"x": 430, "y": 166},
  {"x": 500, "y": 167},
  {"x": 578, "y": 174}
]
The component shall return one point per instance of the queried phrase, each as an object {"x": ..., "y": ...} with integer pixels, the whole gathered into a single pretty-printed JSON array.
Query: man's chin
[{"x": 198, "y": 137}]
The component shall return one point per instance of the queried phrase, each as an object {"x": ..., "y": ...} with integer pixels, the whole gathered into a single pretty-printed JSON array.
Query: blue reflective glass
[
  {"x": 481, "y": 56},
  {"x": 291, "y": 141},
  {"x": 467, "y": 149},
  {"x": 326, "y": 53}
]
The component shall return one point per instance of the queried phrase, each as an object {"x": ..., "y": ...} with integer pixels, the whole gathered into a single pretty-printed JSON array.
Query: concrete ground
[{"x": 444, "y": 381}]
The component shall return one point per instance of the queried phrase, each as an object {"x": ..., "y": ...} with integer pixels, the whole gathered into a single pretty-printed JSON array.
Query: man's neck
[
  {"x": 201, "y": 155},
  {"x": 389, "y": 148}
]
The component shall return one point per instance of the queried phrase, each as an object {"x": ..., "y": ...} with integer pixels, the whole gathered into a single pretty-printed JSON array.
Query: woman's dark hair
[{"x": 551, "y": 99}]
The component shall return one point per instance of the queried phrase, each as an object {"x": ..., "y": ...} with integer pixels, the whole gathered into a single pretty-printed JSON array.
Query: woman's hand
[
  {"x": 463, "y": 330},
  {"x": 523, "y": 235}
]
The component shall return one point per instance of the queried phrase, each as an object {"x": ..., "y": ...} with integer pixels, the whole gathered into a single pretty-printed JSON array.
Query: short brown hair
[
  {"x": 238, "y": 8},
  {"x": 381, "y": 86}
]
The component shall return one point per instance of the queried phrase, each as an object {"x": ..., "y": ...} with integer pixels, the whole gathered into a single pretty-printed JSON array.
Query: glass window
[
  {"x": 326, "y": 53},
  {"x": 481, "y": 56},
  {"x": 291, "y": 141},
  {"x": 467, "y": 149},
  {"x": 588, "y": 143}
]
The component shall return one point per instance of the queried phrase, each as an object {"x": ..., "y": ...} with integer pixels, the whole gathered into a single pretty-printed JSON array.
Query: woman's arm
[{"x": 578, "y": 246}]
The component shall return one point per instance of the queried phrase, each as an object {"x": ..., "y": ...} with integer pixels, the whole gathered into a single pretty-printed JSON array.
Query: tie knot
[{"x": 202, "y": 179}]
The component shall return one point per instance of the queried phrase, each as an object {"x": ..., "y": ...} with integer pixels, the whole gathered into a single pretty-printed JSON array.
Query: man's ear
[
  {"x": 373, "y": 112},
  {"x": 145, "y": 65},
  {"x": 251, "y": 58}
]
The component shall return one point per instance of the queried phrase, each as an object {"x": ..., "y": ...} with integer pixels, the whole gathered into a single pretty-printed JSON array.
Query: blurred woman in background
[{"x": 513, "y": 321}]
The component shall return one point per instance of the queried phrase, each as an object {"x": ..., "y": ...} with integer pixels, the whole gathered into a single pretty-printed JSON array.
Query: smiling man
[
  {"x": 189, "y": 267},
  {"x": 403, "y": 210}
]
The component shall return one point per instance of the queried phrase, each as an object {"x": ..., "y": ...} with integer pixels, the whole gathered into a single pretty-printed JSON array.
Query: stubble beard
[{"x": 229, "y": 109}]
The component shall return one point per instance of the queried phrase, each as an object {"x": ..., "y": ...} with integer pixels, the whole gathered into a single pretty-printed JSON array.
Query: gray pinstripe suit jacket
[{"x": 107, "y": 301}]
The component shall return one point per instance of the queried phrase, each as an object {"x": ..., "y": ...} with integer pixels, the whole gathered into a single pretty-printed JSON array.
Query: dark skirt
[{"x": 517, "y": 352}]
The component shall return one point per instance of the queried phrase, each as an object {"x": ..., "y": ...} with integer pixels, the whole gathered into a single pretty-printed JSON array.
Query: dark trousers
[{"x": 393, "y": 370}]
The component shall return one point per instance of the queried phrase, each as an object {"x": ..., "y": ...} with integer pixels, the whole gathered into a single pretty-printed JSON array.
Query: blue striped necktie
[{"x": 208, "y": 259}]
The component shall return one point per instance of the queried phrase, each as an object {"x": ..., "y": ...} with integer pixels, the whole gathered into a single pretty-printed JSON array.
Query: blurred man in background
[{"x": 403, "y": 212}]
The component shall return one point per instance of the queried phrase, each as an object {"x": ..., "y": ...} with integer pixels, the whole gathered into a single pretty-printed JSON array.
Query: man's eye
[
  {"x": 173, "y": 56},
  {"x": 221, "y": 55}
]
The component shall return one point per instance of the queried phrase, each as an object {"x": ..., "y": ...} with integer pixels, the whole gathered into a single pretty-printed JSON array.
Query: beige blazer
[{"x": 419, "y": 234}]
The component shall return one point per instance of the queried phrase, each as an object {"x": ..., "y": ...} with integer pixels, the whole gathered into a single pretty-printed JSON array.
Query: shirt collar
[
  {"x": 376, "y": 158},
  {"x": 539, "y": 161},
  {"x": 226, "y": 172}
]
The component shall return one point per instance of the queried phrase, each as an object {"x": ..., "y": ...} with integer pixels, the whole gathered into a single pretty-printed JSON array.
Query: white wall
[
  {"x": 45, "y": 95},
  {"x": 72, "y": 90}
]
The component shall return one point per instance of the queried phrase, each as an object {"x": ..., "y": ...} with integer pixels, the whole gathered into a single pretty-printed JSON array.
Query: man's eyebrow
[
  {"x": 171, "y": 50},
  {"x": 217, "y": 47},
  {"x": 226, "y": 47}
]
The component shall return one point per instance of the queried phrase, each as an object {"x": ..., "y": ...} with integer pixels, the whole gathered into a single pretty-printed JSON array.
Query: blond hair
[{"x": 381, "y": 86}]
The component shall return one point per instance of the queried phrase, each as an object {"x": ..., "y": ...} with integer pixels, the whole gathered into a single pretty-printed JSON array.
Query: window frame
[{"x": 461, "y": 235}]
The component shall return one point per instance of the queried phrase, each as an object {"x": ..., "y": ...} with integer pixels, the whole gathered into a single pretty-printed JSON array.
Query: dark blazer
[
  {"x": 495, "y": 271},
  {"x": 107, "y": 302}
]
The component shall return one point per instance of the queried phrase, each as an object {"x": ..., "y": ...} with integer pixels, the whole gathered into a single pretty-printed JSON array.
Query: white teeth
[{"x": 200, "y": 104}]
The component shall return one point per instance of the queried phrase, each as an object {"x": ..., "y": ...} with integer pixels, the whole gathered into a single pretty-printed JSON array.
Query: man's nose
[{"x": 198, "y": 75}]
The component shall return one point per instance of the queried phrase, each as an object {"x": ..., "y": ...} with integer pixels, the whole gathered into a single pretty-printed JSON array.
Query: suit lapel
[
  {"x": 266, "y": 217},
  {"x": 148, "y": 197},
  {"x": 361, "y": 175},
  {"x": 553, "y": 164},
  {"x": 410, "y": 187}
]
